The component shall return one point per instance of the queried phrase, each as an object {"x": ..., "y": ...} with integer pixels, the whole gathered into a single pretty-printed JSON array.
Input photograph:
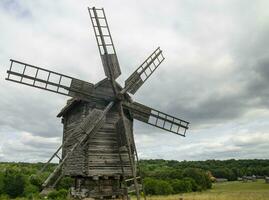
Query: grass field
[{"x": 226, "y": 191}]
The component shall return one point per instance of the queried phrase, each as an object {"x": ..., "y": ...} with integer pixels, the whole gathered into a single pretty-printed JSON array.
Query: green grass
[
  {"x": 220, "y": 191},
  {"x": 225, "y": 191}
]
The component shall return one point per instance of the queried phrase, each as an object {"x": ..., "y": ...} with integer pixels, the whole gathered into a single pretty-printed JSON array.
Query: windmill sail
[
  {"x": 105, "y": 43},
  {"x": 157, "y": 118},
  {"x": 144, "y": 71},
  {"x": 33, "y": 76}
]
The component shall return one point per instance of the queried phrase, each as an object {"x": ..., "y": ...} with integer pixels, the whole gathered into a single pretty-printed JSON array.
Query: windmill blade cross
[
  {"x": 37, "y": 77},
  {"x": 157, "y": 118},
  {"x": 105, "y": 43},
  {"x": 143, "y": 72}
]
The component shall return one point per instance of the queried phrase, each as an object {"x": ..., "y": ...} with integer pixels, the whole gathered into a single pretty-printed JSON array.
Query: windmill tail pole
[
  {"x": 131, "y": 157},
  {"x": 57, "y": 170},
  {"x": 46, "y": 165}
]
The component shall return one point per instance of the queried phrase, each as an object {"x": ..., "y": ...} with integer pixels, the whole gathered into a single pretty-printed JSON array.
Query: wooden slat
[
  {"x": 139, "y": 111},
  {"x": 73, "y": 152},
  {"x": 101, "y": 150},
  {"x": 82, "y": 86},
  {"x": 90, "y": 122},
  {"x": 110, "y": 62}
]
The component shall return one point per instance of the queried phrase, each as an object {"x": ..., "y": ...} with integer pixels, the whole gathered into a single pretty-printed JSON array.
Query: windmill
[{"x": 98, "y": 148}]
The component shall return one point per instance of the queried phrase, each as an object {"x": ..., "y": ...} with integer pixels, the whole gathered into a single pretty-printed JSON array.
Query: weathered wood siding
[{"x": 99, "y": 156}]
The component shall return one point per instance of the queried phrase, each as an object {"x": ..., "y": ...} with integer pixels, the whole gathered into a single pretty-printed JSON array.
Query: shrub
[
  {"x": 1, "y": 183},
  {"x": 149, "y": 184},
  {"x": 163, "y": 188},
  {"x": 14, "y": 183},
  {"x": 181, "y": 186},
  {"x": 157, "y": 187},
  {"x": 200, "y": 176},
  {"x": 58, "y": 195},
  {"x": 194, "y": 186},
  {"x": 4, "y": 197},
  {"x": 30, "y": 189},
  {"x": 36, "y": 181},
  {"x": 65, "y": 183},
  {"x": 225, "y": 173}
]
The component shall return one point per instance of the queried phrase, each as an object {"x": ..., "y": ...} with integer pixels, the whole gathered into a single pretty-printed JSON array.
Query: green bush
[
  {"x": 194, "y": 186},
  {"x": 36, "y": 181},
  {"x": 4, "y": 197},
  {"x": 58, "y": 195},
  {"x": 1, "y": 183},
  {"x": 199, "y": 176},
  {"x": 163, "y": 188},
  {"x": 30, "y": 189},
  {"x": 157, "y": 187},
  {"x": 149, "y": 184},
  {"x": 14, "y": 183},
  {"x": 181, "y": 186},
  {"x": 65, "y": 183},
  {"x": 35, "y": 196},
  {"x": 225, "y": 173}
]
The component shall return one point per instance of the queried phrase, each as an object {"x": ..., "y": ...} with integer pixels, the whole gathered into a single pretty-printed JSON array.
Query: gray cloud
[
  {"x": 230, "y": 86},
  {"x": 242, "y": 145},
  {"x": 215, "y": 72},
  {"x": 27, "y": 147}
]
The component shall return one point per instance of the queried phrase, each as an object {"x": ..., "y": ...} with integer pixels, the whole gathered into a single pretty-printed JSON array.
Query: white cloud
[
  {"x": 233, "y": 140},
  {"x": 24, "y": 146}
]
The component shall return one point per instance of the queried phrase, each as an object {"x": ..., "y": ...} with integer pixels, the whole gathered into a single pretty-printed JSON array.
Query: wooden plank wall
[{"x": 100, "y": 155}]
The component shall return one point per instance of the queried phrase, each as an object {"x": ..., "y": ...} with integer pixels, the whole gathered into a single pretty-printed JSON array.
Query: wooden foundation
[{"x": 99, "y": 188}]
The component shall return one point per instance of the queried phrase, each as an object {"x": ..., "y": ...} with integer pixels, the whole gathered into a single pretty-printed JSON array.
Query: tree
[
  {"x": 157, "y": 187},
  {"x": 36, "y": 181},
  {"x": 1, "y": 183},
  {"x": 194, "y": 186},
  {"x": 224, "y": 173},
  {"x": 14, "y": 183},
  {"x": 199, "y": 176},
  {"x": 163, "y": 188},
  {"x": 149, "y": 184},
  {"x": 181, "y": 186}
]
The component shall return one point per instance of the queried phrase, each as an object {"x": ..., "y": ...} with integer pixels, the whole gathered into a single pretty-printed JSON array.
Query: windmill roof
[
  {"x": 74, "y": 101},
  {"x": 70, "y": 103}
]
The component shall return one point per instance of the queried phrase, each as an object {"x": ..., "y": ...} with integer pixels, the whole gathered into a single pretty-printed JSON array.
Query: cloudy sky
[{"x": 215, "y": 75}]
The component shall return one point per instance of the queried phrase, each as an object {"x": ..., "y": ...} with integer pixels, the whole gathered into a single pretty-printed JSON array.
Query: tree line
[
  {"x": 186, "y": 176},
  {"x": 161, "y": 177}
]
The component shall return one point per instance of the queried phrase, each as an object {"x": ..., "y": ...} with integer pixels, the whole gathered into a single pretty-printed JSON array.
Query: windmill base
[{"x": 99, "y": 188}]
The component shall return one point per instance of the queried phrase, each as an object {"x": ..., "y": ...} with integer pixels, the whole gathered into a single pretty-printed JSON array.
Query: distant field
[{"x": 226, "y": 191}]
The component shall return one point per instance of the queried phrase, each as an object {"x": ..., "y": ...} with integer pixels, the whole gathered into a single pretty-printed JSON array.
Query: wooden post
[{"x": 131, "y": 156}]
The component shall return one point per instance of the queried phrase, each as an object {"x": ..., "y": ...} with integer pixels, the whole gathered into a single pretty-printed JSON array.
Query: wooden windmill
[{"x": 98, "y": 148}]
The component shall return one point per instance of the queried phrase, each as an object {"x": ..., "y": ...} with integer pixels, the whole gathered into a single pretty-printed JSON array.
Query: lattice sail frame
[
  {"x": 48, "y": 80},
  {"x": 157, "y": 118},
  {"x": 144, "y": 71},
  {"x": 105, "y": 43}
]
